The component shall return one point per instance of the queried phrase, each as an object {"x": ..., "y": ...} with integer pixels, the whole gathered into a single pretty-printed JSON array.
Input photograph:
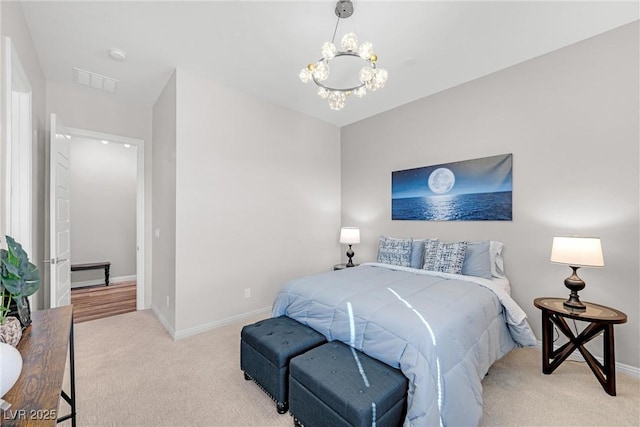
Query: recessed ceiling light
[
  {"x": 127, "y": 145},
  {"x": 117, "y": 54},
  {"x": 104, "y": 141}
]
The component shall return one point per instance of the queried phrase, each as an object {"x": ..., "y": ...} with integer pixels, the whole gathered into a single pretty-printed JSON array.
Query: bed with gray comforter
[{"x": 443, "y": 331}]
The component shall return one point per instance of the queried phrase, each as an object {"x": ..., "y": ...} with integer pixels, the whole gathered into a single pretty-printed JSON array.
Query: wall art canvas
[{"x": 470, "y": 190}]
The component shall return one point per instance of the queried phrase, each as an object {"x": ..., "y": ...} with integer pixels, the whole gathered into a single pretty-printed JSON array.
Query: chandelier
[{"x": 371, "y": 77}]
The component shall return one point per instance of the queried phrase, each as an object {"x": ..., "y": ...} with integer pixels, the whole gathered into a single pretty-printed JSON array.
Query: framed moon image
[{"x": 469, "y": 190}]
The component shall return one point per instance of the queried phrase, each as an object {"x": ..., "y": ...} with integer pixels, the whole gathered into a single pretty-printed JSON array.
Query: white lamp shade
[
  {"x": 350, "y": 235},
  {"x": 577, "y": 251}
]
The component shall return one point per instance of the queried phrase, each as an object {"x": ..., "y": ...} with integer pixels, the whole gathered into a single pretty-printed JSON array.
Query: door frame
[
  {"x": 140, "y": 194},
  {"x": 17, "y": 105}
]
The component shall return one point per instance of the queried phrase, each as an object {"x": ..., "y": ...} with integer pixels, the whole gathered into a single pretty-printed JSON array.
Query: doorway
[{"x": 134, "y": 147}]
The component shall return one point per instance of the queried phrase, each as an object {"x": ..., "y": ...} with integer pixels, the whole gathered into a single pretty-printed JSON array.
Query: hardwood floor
[{"x": 96, "y": 302}]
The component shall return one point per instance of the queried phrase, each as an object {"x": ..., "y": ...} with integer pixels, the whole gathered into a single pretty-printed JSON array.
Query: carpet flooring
[{"x": 129, "y": 372}]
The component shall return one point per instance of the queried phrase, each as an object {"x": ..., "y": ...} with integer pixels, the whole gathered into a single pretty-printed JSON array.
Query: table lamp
[
  {"x": 350, "y": 236},
  {"x": 576, "y": 252}
]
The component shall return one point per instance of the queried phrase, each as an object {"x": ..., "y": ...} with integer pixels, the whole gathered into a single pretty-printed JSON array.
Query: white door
[{"x": 60, "y": 180}]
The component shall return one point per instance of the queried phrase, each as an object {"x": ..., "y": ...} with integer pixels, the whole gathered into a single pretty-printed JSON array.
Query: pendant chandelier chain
[{"x": 335, "y": 30}]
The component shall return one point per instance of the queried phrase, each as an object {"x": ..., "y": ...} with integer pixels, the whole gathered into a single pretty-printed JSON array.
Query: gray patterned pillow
[
  {"x": 431, "y": 254},
  {"x": 444, "y": 257},
  {"x": 394, "y": 251}
]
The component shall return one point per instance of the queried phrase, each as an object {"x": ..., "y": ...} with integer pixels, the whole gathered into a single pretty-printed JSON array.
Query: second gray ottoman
[{"x": 335, "y": 385}]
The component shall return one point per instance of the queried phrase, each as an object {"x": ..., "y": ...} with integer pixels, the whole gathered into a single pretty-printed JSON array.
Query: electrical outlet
[
  {"x": 167, "y": 300},
  {"x": 247, "y": 293}
]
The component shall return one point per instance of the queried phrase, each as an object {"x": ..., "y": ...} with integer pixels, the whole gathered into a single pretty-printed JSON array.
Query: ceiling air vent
[{"x": 96, "y": 81}]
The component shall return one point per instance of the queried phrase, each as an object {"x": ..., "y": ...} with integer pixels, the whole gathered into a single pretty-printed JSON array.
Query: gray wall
[
  {"x": 257, "y": 201},
  {"x": 14, "y": 26},
  {"x": 164, "y": 206},
  {"x": 103, "y": 208},
  {"x": 570, "y": 118}
]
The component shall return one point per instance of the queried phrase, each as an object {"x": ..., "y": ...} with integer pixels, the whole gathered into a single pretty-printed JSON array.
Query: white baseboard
[
  {"x": 632, "y": 371},
  {"x": 219, "y": 323},
  {"x": 163, "y": 321},
  {"x": 101, "y": 281}
]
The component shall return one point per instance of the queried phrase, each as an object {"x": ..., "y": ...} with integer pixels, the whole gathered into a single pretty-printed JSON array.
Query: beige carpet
[{"x": 129, "y": 372}]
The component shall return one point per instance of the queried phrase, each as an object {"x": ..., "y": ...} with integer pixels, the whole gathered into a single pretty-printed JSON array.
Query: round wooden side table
[{"x": 601, "y": 320}]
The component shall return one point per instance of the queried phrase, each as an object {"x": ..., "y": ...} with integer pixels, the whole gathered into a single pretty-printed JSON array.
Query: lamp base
[
  {"x": 574, "y": 284},
  {"x": 350, "y": 255},
  {"x": 574, "y": 304}
]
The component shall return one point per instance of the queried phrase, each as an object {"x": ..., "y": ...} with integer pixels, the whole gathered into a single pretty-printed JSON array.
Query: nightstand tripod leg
[
  {"x": 609, "y": 357},
  {"x": 547, "y": 343}
]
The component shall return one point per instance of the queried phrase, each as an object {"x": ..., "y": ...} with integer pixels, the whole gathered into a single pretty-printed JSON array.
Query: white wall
[
  {"x": 164, "y": 206},
  {"x": 3, "y": 142},
  {"x": 14, "y": 26},
  {"x": 570, "y": 118},
  {"x": 89, "y": 109},
  {"x": 103, "y": 208},
  {"x": 257, "y": 201}
]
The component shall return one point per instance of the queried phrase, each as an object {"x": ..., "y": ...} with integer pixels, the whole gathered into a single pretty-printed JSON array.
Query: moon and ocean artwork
[{"x": 470, "y": 190}]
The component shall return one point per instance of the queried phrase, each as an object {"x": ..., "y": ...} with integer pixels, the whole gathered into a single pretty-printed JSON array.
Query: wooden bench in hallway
[{"x": 94, "y": 266}]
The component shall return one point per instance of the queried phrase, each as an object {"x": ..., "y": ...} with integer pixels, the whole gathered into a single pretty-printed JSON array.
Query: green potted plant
[{"x": 19, "y": 279}]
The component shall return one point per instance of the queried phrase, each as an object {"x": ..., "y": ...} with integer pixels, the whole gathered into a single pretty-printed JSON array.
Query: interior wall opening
[{"x": 107, "y": 218}]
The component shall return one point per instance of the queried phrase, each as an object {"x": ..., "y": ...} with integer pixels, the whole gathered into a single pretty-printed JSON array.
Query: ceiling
[{"x": 259, "y": 47}]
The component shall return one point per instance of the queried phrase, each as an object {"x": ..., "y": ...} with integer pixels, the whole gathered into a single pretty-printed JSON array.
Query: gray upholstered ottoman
[
  {"x": 265, "y": 350},
  {"x": 335, "y": 385}
]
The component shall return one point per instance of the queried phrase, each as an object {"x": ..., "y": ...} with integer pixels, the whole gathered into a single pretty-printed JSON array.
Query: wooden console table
[{"x": 35, "y": 396}]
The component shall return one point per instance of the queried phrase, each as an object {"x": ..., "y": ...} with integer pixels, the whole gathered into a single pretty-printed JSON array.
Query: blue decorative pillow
[
  {"x": 477, "y": 261},
  {"x": 395, "y": 251},
  {"x": 444, "y": 257},
  {"x": 417, "y": 253}
]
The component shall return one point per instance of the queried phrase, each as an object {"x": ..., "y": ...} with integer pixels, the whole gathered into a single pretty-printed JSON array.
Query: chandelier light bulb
[
  {"x": 337, "y": 100},
  {"x": 305, "y": 75},
  {"x": 321, "y": 71},
  {"x": 360, "y": 92},
  {"x": 365, "y": 51},
  {"x": 381, "y": 77},
  {"x": 378, "y": 80},
  {"x": 366, "y": 74},
  {"x": 349, "y": 43},
  {"x": 329, "y": 50},
  {"x": 323, "y": 93}
]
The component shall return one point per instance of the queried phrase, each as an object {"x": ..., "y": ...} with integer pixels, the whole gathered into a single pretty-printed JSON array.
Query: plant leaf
[{"x": 19, "y": 277}]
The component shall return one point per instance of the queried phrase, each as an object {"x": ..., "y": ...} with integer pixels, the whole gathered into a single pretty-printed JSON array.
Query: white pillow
[{"x": 497, "y": 262}]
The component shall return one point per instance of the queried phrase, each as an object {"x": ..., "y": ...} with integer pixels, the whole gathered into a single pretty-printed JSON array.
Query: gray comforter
[{"x": 443, "y": 331}]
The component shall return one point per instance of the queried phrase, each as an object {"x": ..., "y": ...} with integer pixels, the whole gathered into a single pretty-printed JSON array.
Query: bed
[{"x": 442, "y": 330}]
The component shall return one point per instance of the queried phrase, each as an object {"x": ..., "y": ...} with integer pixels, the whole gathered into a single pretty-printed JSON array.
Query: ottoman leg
[
  {"x": 282, "y": 408},
  {"x": 247, "y": 377}
]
